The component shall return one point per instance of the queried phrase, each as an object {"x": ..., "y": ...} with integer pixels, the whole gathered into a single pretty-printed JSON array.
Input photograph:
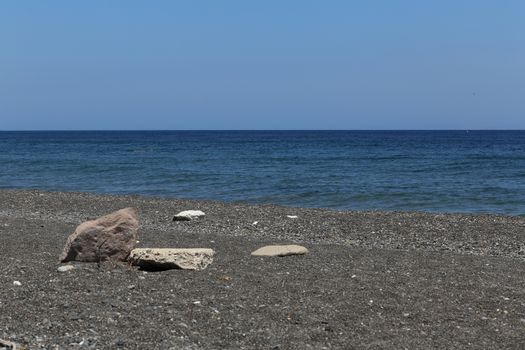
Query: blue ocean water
[{"x": 436, "y": 171}]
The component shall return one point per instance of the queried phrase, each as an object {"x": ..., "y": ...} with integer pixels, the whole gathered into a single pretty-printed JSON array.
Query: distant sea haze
[{"x": 433, "y": 171}]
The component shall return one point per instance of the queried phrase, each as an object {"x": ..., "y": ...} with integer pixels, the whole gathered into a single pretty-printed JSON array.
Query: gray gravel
[{"x": 371, "y": 280}]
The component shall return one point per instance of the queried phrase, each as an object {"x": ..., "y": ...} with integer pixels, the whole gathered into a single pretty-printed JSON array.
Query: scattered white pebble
[
  {"x": 17, "y": 283},
  {"x": 506, "y": 299},
  {"x": 406, "y": 314},
  {"x": 292, "y": 216},
  {"x": 65, "y": 268},
  {"x": 196, "y": 302},
  {"x": 255, "y": 223},
  {"x": 142, "y": 278},
  {"x": 353, "y": 276}
]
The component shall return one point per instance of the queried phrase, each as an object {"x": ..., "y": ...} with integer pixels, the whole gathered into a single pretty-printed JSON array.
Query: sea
[{"x": 432, "y": 171}]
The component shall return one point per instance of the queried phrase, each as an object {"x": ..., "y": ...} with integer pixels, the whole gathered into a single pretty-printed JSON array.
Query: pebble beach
[{"x": 370, "y": 280}]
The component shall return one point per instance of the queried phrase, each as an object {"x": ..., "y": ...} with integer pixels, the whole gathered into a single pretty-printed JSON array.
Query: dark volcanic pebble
[{"x": 372, "y": 280}]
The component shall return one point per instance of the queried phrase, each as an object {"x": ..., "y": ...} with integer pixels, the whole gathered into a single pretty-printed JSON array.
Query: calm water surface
[{"x": 437, "y": 171}]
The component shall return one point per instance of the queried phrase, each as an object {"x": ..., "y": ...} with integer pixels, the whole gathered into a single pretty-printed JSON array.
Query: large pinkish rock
[{"x": 110, "y": 237}]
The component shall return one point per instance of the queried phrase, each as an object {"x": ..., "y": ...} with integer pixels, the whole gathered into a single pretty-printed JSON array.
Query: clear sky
[{"x": 390, "y": 64}]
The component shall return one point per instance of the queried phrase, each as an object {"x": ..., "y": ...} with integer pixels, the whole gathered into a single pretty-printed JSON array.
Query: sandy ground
[{"x": 372, "y": 280}]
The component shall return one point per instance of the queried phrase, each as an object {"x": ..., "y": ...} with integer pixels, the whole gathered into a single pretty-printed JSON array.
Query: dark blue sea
[{"x": 434, "y": 171}]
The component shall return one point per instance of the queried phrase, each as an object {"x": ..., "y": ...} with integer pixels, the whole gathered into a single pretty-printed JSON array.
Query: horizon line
[{"x": 240, "y": 130}]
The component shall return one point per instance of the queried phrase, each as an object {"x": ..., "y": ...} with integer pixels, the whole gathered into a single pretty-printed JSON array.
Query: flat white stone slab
[
  {"x": 188, "y": 215},
  {"x": 280, "y": 250},
  {"x": 172, "y": 258}
]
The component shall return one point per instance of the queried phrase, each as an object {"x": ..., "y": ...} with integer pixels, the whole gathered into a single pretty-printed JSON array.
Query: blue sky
[{"x": 262, "y": 64}]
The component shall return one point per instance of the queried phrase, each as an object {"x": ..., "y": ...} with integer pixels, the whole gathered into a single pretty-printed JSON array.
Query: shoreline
[
  {"x": 255, "y": 203},
  {"x": 371, "y": 279},
  {"x": 479, "y": 234}
]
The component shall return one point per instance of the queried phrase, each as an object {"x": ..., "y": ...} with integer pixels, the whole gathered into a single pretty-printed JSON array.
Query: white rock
[
  {"x": 17, "y": 283},
  {"x": 172, "y": 258},
  {"x": 188, "y": 215},
  {"x": 255, "y": 223},
  {"x": 280, "y": 250},
  {"x": 291, "y": 216},
  {"x": 65, "y": 268}
]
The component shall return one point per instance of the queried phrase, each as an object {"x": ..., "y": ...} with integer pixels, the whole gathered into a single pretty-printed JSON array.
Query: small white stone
[
  {"x": 255, "y": 223},
  {"x": 196, "y": 302},
  {"x": 65, "y": 268},
  {"x": 17, "y": 283},
  {"x": 353, "y": 276},
  {"x": 291, "y": 216},
  {"x": 188, "y": 215}
]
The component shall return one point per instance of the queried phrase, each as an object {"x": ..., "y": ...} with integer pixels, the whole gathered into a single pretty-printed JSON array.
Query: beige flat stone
[
  {"x": 172, "y": 258},
  {"x": 280, "y": 250}
]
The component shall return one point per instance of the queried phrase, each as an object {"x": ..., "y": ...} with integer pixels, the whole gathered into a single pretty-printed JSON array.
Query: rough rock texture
[
  {"x": 188, "y": 215},
  {"x": 110, "y": 237},
  {"x": 280, "y": 250},
  {"x": 172, "y": 258}
]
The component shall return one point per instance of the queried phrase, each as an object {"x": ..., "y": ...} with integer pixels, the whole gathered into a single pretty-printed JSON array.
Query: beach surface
[{"x": 371, "y": 280}]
